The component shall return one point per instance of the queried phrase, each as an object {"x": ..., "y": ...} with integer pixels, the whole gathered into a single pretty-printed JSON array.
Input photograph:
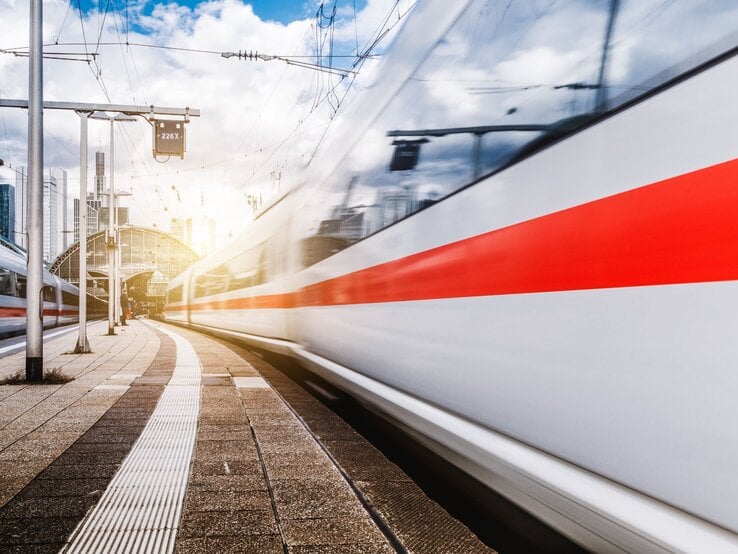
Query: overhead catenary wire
[
  {"x": 65, "y": 56},
  {"x": 266, "y": 103},
  {"x": 97, "y": 74},
  {"x": 381, "y": 33},
  {"x": 61, "y": 143},
  {"x": 295, "y": 60},
  {"x": 356, "y": 29},
  {"x": 123, "y": 58},
  {"x": 162, "y": 47},
  {"x": 82, "y": 23},
  {"x": 102, "y": 26},
  {"x": 366, "y": 53},
  {"x": 61, "y": 27}
]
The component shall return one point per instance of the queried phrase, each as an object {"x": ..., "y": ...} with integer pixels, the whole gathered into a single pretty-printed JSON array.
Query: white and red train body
[
  {"x": 61, "y": 299},
  {"x": 553, "y": 314}
]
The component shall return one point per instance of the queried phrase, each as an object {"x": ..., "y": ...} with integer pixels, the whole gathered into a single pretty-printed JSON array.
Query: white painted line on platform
[
  {"x": 107, "y": 386},
  {"x": 250, "y": 383},
  {"x": 141, "y": 507},
  {"x": 124, "y": 378}
]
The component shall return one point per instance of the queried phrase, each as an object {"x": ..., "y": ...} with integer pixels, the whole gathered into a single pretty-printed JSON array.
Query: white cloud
[{"x": 248, "y": 107}]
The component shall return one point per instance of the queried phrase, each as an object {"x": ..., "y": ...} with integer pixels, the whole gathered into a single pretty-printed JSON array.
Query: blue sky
[{"x": 276, "y": 10}]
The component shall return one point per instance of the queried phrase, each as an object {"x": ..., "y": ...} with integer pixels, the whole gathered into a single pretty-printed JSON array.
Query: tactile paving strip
[{"x": 141, "y": 508}]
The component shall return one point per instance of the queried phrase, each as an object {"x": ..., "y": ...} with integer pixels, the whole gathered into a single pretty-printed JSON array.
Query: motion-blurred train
[
  {"x": 522, "y": 244},
  {"x": 61, "y": 299}
]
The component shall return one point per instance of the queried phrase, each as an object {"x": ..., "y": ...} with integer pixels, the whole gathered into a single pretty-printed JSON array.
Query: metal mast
[{"x": 34, "y": 283}]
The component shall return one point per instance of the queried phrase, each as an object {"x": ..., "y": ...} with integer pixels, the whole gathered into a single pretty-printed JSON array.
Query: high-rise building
[
  {"x": 21, "y": 212},
  {"x": 211, "y": 236},
  {"x": 177, "y": 228},
  {"x": 60, "y": 176},
  {"x": 99, "y": 175},
  {"x": 51, "y": 220},
  {"x": 93, "y": 212},
  {"x": 7, "y": 211}
]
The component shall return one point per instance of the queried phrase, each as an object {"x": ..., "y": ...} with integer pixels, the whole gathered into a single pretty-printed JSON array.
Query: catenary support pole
[
  {"x": 83, "y": 346},
  {"x": 116, "y": 267},
  {"x": 112, "y": 240},
  {"x": 34, "y": 277}
]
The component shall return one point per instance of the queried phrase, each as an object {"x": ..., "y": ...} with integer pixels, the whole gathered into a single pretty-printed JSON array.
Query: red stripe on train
[
  {"x": 21, "y": 312},
  {"x": 12, "y": 312},
  {"x": 679, "y": 230},
  {"x": 286, "y": 300}
]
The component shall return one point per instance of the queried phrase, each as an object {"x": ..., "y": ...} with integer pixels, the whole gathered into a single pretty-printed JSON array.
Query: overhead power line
[
  {"x": 66, "y": 56},
  {"x": 255, "y": 56},
  {"x": 159, "y": 47},
  {"x": 88, "y": 56}
]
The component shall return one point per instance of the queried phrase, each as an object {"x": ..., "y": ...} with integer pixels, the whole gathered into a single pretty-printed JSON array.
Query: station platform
[{"x": 167, "y": 440}]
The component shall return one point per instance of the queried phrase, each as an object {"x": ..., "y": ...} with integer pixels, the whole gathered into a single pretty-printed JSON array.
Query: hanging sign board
[{"x": 169, "y": 138}]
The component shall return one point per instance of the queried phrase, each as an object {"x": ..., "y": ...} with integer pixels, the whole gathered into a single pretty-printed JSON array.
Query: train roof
[{"x": 15, "y": 259}]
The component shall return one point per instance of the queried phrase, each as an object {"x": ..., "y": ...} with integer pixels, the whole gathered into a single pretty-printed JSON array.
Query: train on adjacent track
[
  {"x": 521, "y": 243},
  {"x": 60, "y": 298}
]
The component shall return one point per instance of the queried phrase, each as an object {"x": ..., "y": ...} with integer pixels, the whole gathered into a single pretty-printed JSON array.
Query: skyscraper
[
  {"x": 51, "y": 219},
  {"x": 211, "y": 236},
  {"x": 177, "y": 228},
  {"x": 61, "y": 182},
  {"x": 7, "y": 211},
  {"x": 21, "y": 215},
  {"x": 93, "y": 213},
  {"x": 99, "y": 175}
]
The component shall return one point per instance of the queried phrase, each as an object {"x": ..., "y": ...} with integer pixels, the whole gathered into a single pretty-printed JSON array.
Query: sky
[
  {"x": 283, "y": 11},
  {"x": 261, "y": 120}
]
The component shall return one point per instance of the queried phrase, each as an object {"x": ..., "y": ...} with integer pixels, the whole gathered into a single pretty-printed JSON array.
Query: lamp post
[
  {"x": 83, "y": 345},
  {"x": 112, "y": 238}
]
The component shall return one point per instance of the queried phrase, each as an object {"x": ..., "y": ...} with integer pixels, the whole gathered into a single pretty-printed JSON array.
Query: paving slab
[
  {"x": 323, "y": 477},
  {"x": 59, "y": 476},
  {"x": 271, "y": 468},
  {"x": 39, "y": 422}
]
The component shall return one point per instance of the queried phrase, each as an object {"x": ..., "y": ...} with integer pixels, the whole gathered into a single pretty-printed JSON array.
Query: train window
[
  {"x": 6, "y": 282},
  {"x": 212, "y": 282},
  {"x": 174, "y": 294},
  {"x": 246, "y": 270},
  {"x": 20, "y": 285},
  {"x": 69, "y": 298},
  {"x": 508, "y": 79},
  {"x": 49, "y": 293},
  {"x": 654, "y": 41}
]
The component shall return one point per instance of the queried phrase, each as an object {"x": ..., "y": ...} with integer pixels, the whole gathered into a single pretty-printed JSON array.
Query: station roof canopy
[{"x": 143, "y": 251}]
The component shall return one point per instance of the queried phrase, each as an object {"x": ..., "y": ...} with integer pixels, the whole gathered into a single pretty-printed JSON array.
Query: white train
[
  {"x": 61, "y": 299},
  {"x": 522, "y": 244}
]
